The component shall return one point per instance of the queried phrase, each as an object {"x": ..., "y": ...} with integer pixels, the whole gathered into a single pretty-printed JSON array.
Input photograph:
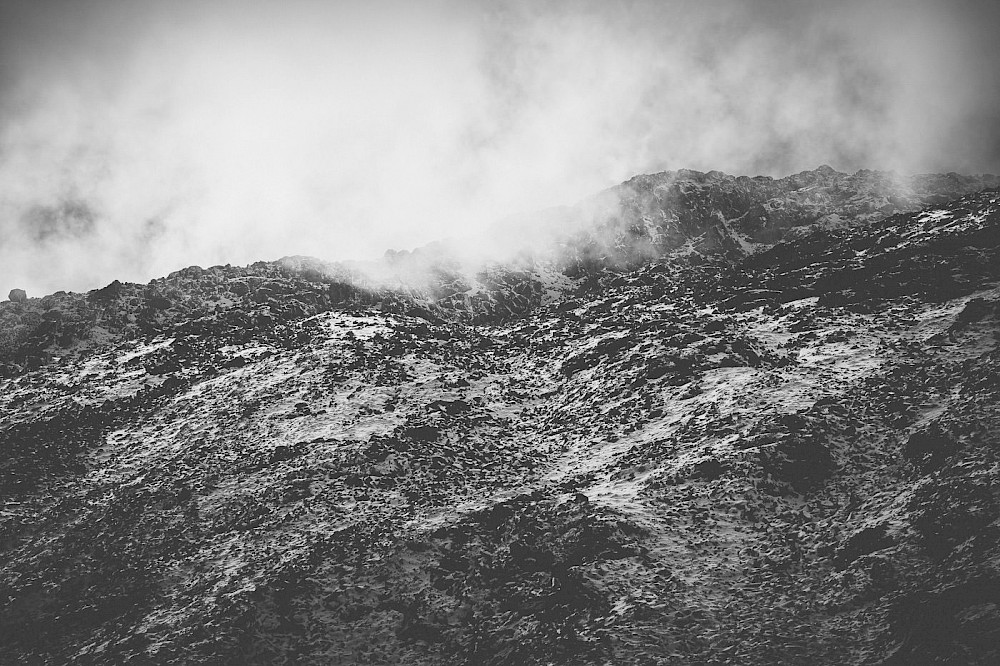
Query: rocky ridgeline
[
  {"x": 939, "y": 254},
  {"x": 702, "y": 458},
  {"x": 652, "y": 215},
  {"x": 645, "y": 218},
  {"x": 235, "y": 303}
]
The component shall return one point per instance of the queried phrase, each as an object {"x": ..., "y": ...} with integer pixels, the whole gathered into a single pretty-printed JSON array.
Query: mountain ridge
[
  {"x": 613, "y": 228},
  {"x": 706, "y": 455}
]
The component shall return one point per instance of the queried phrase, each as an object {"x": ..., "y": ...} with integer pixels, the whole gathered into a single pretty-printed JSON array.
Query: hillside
[{"x": 662, "y": 438}]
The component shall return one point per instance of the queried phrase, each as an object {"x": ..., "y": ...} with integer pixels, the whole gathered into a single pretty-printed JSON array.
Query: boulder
[{"x": 17, "y": 296}]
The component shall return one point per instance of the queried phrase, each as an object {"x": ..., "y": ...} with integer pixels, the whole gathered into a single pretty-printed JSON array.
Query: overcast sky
[{"x": 140, "y": 137}]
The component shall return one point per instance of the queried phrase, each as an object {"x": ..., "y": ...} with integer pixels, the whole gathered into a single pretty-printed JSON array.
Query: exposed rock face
[
  {"x": 650, "y": 215},
  {"x": 17, "y": 296},
  {"x": 663, "y": 454}
]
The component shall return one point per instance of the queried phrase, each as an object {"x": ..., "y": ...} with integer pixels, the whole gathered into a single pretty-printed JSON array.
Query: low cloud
[{"x": 140, "y": 137}]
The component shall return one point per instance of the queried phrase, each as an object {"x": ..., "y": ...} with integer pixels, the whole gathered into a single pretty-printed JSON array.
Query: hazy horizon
[{"x": 139, "y": 137}]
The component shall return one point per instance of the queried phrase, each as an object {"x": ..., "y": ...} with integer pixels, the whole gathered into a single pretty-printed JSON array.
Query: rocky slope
[{"x": 691, "y": 455}]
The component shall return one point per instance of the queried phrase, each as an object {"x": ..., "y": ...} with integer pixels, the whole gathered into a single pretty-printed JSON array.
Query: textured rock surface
[{"x": 699, "y": 457}]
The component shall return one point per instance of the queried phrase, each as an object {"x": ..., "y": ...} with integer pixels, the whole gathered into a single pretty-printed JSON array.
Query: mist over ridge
[{"x": 139, "y": 138}]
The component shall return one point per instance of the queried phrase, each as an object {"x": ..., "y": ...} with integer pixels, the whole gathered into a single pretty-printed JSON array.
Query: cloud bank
[{"x": 140, "y": 137}]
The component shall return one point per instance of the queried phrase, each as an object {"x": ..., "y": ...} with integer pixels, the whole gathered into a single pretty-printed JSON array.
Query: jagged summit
[{"x": 664, "y": 437}]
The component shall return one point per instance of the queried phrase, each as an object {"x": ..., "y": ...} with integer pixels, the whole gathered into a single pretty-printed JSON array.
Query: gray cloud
[{"x": 138, "y": 137}]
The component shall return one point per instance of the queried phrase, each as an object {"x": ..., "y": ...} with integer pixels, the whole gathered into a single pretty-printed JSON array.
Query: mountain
[{"x": 659, "y": 437}]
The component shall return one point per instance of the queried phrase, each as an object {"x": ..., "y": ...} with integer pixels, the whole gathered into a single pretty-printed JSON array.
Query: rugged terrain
[{"x": 660, "y": 438}]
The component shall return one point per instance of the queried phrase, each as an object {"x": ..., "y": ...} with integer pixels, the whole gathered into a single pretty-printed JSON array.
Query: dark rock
[
  {"x": 801, "y": 461},
  {"x": 235, "y": 362},
  {"x": 565, "y": 306},
  {"x": 425, "y": 314},
  {"x": 283, "y": 452},
  {"x": 157, "y": 301},
  {"x": 107, "y": 294},
  {"x": 928, "y": 448},
  {"x": 423, "y": 433},
  {"x": 707, "y": 470},
  {"x": 657, "y": 371},
  {"x": 863, "y": 542}
]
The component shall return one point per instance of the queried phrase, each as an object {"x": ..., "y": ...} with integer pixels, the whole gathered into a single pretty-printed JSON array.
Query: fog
[{"x": 139, "y": 137}]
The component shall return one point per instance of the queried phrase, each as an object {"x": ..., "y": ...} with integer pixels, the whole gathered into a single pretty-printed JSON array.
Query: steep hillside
[{"x": 701, "y": 457}]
